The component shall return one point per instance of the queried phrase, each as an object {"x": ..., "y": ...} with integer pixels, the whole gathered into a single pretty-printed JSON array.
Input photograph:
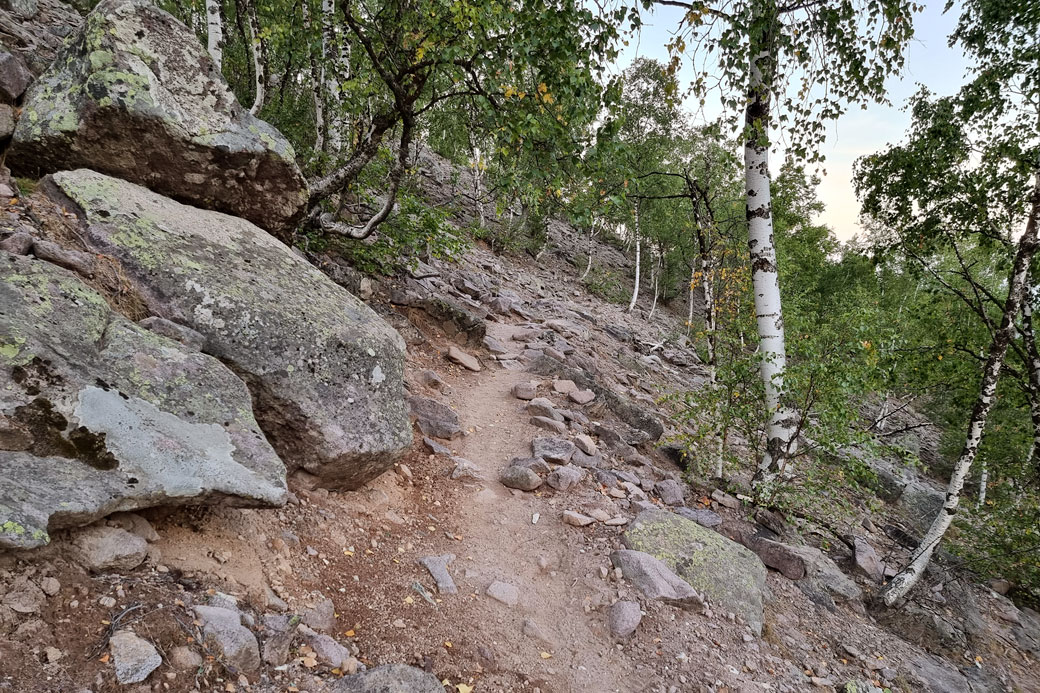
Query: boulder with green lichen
[
  {"x": 110, "y": 416},
  {"x": 135, "y": 95},
  {"x": 325, "y": 371},
  {"x": 728, "y": 574}
]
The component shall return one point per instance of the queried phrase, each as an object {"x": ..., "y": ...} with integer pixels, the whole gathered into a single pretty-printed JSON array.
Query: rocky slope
[{"x": 209, "y": 480}]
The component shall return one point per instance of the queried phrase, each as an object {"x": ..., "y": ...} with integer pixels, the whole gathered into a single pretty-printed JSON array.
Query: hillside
[{"x": 232, "y": 461}]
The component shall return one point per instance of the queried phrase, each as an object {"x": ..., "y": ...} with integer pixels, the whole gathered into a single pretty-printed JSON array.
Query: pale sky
[{"x": 929, "y": 62}]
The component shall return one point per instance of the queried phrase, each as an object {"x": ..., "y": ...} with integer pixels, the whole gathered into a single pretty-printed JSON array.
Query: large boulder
[
  {"x": 108, "y": 416},
  {"x": 325, "y": 371},
  {"x": 134, "y": 94},
  {"x": 728, "y": 574}
]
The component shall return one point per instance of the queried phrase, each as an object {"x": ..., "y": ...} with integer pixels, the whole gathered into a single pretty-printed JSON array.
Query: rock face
[
  {"x": 325, "y": 372},
  {"x": 111, "y": 416},
  {"x": 134, "y": 94},
  {"x": 727, "y": 573}
]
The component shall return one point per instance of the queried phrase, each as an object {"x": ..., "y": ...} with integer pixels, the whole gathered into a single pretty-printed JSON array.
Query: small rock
[
  {"x": 521, "y": 478},
  {"x": 50, "y": 586},
  {"x": 564, "y": 387},
  {"x": 504, "y": 592},
  {"x": 582, "y": 396},
  {"x": 655, "y": 579},
  {"x": 70, "y": 259},
  {"x": 279, "y": 630},
  {"x": 18, "y": 243},
  {"x": 435, "y": 447},
  {"x": 587, "y": 461},
  {"x": 725, "y": 500},
  {"x": 624, "y": 618},
  {"x": 548, "y": 424},
  {"x": 223, "y": 629},
  {"x": 434, "y": 418},
  {"x": 23, "y": 597},
  {"x": 702, "y": 516},
  {"x": 553, "y": 449},
  {"x": 53, "y": 654},
  {"x": 541, "y": 406},
  {"x": 433, "y": 381},
  {"x": 106, "y": 602},
  {"x": 467, "y": 361},
  {"x": 670, "y": 491},
  {"x": 535, "y": 464},
  {"x": 534, "y": 631},
  {"x": 599, "y": 514},
  {"x": 101, "y": 548},
  {"x": 389, "y": 678},
  {"x": 566, "y": 477},
  {"x": 867, "y": 560},
  {"x": 438, "y": 567},
  {"x": 465, "y": 470},
  {"x": 576, "y": 519},
  {"x": 526, "y": 391},
  {"x": 321, "y": 617},
  {"x": 586, "y": 444},
  {"x": 326, "y": 650},
  {"x": 618, "y": 521},
  {"x": 14, "y": 75},
  {"x": 134, "y": 658},
  {"x": 184, "y": 658}
]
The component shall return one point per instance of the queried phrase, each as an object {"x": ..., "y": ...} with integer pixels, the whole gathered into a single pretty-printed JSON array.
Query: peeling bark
[{"x": 215, "y": 33}]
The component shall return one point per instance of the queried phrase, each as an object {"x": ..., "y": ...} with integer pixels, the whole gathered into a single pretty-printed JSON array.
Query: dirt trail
[{"x": 541, "y": 559}]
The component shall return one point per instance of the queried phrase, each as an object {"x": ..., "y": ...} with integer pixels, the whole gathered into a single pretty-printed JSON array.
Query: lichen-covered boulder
[
  {"x": 109, "y": 416},
  {"x": 135, "y": 95},
  {"x": 728, "y": 574},
  {"x": 325, "y": 371}
]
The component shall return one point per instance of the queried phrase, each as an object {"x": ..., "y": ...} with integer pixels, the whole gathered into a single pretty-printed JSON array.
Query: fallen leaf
[
  {"x": 463, "y": 688},
  {"x": 409, "y": 600},
  {"x": 349, "y": 633},
  {"x": 104, "y": 658},
  {"x": 546, "y": 655}
]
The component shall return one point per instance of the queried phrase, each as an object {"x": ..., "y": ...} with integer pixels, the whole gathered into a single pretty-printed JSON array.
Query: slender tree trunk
[
  {"x": 635, "y": 288},
  {"x": 215, "y": 33},
  {"x": 983, "y": 481},
  {"x": 911, "y": 574},
  {"x": 315, "y": 74},
  {"x": 331, "y": 63},
  {"x": 592, "y": 235},
  {"x": 765, "y": 278},
  {"x": 689, "y": 301},
  {"x": 256, "y": 51},
  {"x": 1033, "y": 367},
  {"x": 655, "y": 270}
]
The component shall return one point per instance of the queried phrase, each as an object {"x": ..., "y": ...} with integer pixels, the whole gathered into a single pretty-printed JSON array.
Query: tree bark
[
  {"x": 256, "y": 51},
  {"x": 655, "y": 270},
  {"x": 689, "y": 301},
  {"x": 215, "y": 33},
  {"x": 315, "y": 75},
  {"x": 911, "y": 574},
  {"x": 592, "y": 235},
  {"x": 331, "y": 74},
  {"x": 635, "y": 288},
  {"x": 765, "y": 278},
  {"x": 1033, "y": 367}
]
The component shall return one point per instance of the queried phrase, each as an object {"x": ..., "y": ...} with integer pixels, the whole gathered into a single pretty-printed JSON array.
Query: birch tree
[
  {"x": 215, "y": 32},
  {"x": 795, "y": 64},
  {"x": 972, "y": 164}
]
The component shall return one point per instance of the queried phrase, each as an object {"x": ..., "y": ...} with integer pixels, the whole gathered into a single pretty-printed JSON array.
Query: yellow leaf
[
  {"x": 463, "y": 688},
  {"x": 104, "y": 658},
  {"x": 349, "y": 633},
  {"x": 447, "y": 643},
  {"x": 546, "y": 655},
  {"x": 409, "y": 600}
]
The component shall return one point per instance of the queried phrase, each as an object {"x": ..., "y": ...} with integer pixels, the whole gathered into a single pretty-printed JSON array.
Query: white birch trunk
[
  {"x": 1029, "y": 337},
  {"x": 259, "y": 69},
  {"x": 911, "y": 574},
  {"x": 689, "y": 301},
  {"x": 332, "y": 61},
  {"x": 655, "y": 271},
  {"x": 592, "y": 235},
  {"x": 983, "y": 481},
  {"x": 765, "y": 279},
  {"x": 319, "y": 104},
  {"x": 635, "y": 288},
  {"x": 215, "y": 33}
]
